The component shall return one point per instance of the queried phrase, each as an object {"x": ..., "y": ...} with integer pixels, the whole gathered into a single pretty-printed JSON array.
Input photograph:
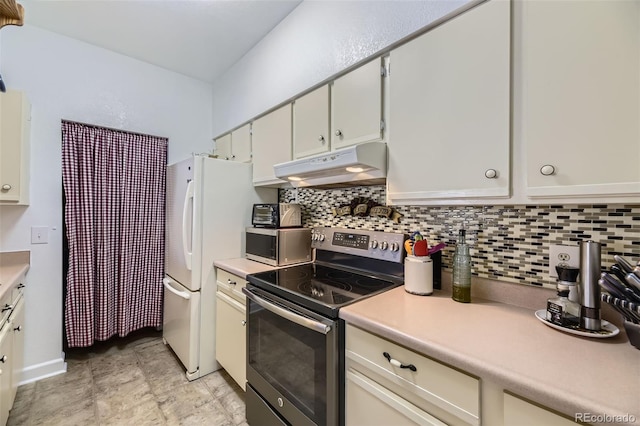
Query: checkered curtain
[{"x": 114, "y": 183}]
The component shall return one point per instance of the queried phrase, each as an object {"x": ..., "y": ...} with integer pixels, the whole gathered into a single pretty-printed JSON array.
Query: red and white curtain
[{"x": 114, "y": 184}]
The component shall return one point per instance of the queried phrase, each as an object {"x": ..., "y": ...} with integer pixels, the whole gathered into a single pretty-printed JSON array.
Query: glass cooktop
[{"x": 320, "y": 288}]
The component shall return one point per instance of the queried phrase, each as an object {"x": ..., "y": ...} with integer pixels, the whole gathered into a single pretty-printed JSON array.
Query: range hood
[{"x": 364, "y": 164}]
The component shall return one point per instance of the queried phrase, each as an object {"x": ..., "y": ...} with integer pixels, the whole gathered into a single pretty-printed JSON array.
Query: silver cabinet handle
[
  {"x": 338, "y": 132},
  {"x": 7, "y": 307},
  {"x": 3, "y": 359},
  {"x": 287, "y": 314},
  {"x": 230, "y": 282},
  {"x": 321, "y": 139},
  {"x": 21, "y": 285},
  {"x": 243, "y": 322},
  {"x": 18, "y": 328},
  {"x": 547, "y": 170},
  {"x": 491, "y": 174},
  {"x": 6, "y": 187}
]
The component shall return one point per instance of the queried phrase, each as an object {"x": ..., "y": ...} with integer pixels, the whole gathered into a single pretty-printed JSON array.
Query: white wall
[
  {"x": 317, "y": 40},
  {"x": 67, "y": 79}
]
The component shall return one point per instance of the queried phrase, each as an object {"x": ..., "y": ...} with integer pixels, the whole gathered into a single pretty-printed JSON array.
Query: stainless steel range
[{"x": 295, "y": 340}]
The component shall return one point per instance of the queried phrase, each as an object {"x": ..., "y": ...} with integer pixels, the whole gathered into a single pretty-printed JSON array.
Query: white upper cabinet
[
  {"x": 356, "y": 106},
  {"x": 580, "y": 95},
  {"x": 311, "y": 123},
  {"x": 450, "y": 106},
  {"x": 236, "y": 145},
  {"x": 223, "y": 147},
  {"x": 241, "y": 144},
  {"x": 271, "y": 145},
  {"x": 15, "y": 121}
]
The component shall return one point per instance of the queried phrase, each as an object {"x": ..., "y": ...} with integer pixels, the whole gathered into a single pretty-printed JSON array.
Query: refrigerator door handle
[
  {"x": 169, "y": 287},
  {"x": 187, "y": 251}
]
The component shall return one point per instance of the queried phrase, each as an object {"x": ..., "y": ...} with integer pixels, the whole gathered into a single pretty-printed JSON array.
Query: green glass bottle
[{"x": 462, "y": 270}]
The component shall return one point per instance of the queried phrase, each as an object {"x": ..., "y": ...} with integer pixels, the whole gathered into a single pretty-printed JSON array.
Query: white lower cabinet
[
  {"x": 6, "y": 357},
  {"x": 231, "y": 341},
  {"x": 11, "y": 347},
  {"x": 17, "y": 328},
  {"x": 389, "y": 384},
  {"x": 518, "y": 412}
]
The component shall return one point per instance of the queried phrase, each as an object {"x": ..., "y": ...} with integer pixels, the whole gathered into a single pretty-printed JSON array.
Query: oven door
[{"x": 293, "y": 361}]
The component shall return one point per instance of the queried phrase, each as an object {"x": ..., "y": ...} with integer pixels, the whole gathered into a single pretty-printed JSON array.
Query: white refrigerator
[{"x": 208, "y": 206}]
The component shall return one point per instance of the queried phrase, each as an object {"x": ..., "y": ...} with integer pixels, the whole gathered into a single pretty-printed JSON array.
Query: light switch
[{"x": 39, "y": 235}]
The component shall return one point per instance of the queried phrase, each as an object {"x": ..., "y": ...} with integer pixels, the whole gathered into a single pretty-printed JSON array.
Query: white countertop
[
  {"x": 507, "y": 345},
  {"x": 242, "y": 266},
  {"x": 13, "y": 265}
]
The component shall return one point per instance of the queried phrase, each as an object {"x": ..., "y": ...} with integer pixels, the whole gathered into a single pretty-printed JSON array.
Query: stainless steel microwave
[
  {"x": 278, "y": 215},
  {"x": 278, "y": 247}
]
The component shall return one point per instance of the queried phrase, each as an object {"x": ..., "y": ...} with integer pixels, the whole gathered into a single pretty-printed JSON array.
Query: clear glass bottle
[
  {"x": 462, "y": 270},
  {"x": 561, "y": 310}
]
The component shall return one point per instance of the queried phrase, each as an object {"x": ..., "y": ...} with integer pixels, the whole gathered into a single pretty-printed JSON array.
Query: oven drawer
[
  {"x": 444, "y": 392},
  {"x": 230, "y": 284}
]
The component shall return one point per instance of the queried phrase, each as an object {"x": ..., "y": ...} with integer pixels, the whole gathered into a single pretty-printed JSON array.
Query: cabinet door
[
  {"x": 271, "y": 144},
  {"x": 450, "y": 110},
  {"x": 369, "y": 404},
  {"x": 14, "y": 148},
  {"x": 241, "y": 144},
  {"x": 223, "y": 147},
  {"x": 231, "y": 339},
  {"x": 356, "y": 106},
  {"x": 311, "y": 123},
  {"x": 518, "y": 412},
  {"x": 17, "y": 328},
  {"x": 6, "y": 359},
  {"x": 580, "y": 65}
]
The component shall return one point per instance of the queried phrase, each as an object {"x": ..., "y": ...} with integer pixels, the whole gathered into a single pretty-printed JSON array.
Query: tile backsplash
[{"x": 508, "y": 242}]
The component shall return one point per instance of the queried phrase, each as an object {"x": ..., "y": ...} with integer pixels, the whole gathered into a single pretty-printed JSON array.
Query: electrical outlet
[{"x": 561, "y": 255}]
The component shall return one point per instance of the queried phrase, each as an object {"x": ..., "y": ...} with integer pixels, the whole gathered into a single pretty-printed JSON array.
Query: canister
[{"x": 418, "y": 275}]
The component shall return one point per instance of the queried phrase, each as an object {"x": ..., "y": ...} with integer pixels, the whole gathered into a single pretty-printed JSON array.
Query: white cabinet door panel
[
  {"x": 241, "y": 144},
  {"x": 223, "y": 147},
  {"x": 356, "y": 106},
  {"x": 450, "y": 110},
  {"x": 231, "y": 339},
  {"x": 271, "y": 144},
  {"x": 311, "y": 123},
  {"x": 580, "y": 64}
]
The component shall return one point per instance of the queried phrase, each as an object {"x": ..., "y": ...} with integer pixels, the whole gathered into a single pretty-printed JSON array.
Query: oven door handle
[{"x": 286, "y": 313}]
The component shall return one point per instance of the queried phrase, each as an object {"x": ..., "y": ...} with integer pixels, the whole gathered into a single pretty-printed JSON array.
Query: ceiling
[{"x": 200, "y": 39}]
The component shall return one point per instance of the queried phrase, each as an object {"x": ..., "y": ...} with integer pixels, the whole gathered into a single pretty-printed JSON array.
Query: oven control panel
[
  {"x": 374, "y": 244},
  {"x": 350, "y": 239}
]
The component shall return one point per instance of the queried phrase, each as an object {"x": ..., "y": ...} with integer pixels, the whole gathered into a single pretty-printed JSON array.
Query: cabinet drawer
[
  {"x": 17, "y": 292},
  {"x": 446, "y": 388},
  {"x": 6, "y": 306},
  {"x": 231, "y": 284}
]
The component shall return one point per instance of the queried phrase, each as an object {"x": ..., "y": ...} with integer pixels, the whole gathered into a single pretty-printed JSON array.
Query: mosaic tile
[{"x": 508, "y": 243}]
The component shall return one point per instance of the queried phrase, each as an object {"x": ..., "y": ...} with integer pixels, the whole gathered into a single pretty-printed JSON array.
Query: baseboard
[{"x": 43, "y": 370}]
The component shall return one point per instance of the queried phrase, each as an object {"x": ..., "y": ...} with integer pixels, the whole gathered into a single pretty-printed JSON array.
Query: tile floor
[{"x": 132, "y": 381}]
